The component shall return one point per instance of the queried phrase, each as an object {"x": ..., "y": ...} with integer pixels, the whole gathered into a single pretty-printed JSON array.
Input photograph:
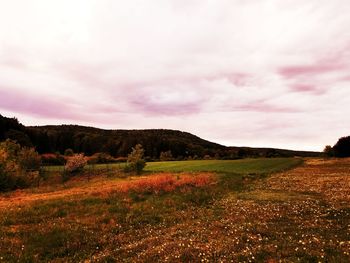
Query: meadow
[
  {"x": 240, "y": 166},
  {"x": 250, "y": 210}
]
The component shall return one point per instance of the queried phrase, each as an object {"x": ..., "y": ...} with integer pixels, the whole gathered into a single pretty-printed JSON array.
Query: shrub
[
  {"x": 11, "y": 148},
  {"x": 18, "y": 166},
  {"x": 29, "y": 159},
  {"x": 136, "y": 166},
  {"x": 76, "y": 163},
  {"x": 166, "y": 156},
  {"x": 9, "y": 171},
  {"x": 121, "y": 159},
  {"x": 68, "y": 152},
  {"x": 101, "y": 158},
  {"x": 207, "y": 157},
  {"x": 53, "y": 159},
  {"x": 135, "y": 162}
]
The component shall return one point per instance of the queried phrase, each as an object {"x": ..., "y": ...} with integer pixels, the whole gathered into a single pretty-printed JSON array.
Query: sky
[{"x": 253, "y": 73}]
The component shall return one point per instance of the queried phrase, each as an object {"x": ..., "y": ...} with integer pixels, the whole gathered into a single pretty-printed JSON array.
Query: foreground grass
[
  {"x": 66, "y": 228},
  {"x": 301, "y": 215}
]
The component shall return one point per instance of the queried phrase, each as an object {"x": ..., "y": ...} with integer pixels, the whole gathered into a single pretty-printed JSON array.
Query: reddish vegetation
[
  {"x": 48, "y": 155},
  {"x": 166, "y": 183},
  {"x": 155, "y": 183}
]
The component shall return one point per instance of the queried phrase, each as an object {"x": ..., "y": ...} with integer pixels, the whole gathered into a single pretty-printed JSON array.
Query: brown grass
[{"x": 328, "y": 178}]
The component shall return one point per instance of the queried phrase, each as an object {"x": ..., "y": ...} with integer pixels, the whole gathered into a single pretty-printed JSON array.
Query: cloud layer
[{"x": 255, "y": 73}]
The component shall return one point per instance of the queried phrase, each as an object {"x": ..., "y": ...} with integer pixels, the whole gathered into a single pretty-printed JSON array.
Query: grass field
[
  {"x": 242, "y": 166},
  {"x": 295, "y": 215}
]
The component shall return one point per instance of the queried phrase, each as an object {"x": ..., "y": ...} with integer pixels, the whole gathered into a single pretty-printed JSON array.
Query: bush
[
  {"x": 207, "y": 157},
  {"x": 53, "y": 159},
  {"x": 166, "y": 156},
  {"x": 9, "y": 171},
  {"x": 135, "y": 162},
  {"x": 136, "y": 167},
  {"x": 76, "y": 163},
  {"x": 68, "y": 152},
  {"x": 19, "y": 167},
  {"x": 101, "y": 158},
  {"x": 121, "y": 159},
  {"x": 29, "y": 159}
]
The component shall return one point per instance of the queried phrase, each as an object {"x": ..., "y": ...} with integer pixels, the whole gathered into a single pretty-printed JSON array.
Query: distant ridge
[{"x": 90, "y": 140}]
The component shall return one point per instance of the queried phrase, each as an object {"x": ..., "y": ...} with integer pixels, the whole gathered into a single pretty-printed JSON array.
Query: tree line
[
  {"x": 118, "y": 143},
  {"x": 340, "y": 149}
]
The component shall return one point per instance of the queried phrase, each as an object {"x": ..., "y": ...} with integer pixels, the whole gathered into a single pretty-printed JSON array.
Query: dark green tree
[
  {"x": 328, "y": 151},
  {"x": 342, "y": 147},
  {"x": 136, "y": 162}
]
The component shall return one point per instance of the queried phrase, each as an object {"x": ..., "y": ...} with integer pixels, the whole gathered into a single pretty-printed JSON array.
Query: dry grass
[{"x": 328, "y": 178}]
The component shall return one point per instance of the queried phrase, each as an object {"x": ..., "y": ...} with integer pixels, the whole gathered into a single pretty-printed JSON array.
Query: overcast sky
[{"x": 237, "y": 72}]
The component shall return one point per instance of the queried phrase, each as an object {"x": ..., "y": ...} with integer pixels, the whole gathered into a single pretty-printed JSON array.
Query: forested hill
[
  {"x": 91, "y": 140},
  {"x": 119, "y": 142}
]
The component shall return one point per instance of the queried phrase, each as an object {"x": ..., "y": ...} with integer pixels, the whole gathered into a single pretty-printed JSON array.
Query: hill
[{"x": 90, "y": 140}]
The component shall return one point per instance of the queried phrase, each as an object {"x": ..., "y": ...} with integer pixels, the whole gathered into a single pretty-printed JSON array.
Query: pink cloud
[
  {"x": 208, "y": 66},
  {"x": 264, "y": 107},
  {"x": 335, "y": 61},
  {"x": 307, "y": 88},
  {"x": 291, "y": 72},
  {"x": 155, "y": 107},
  {"x": 33, "y": 104},
  {"x": 238, "y": 79}
]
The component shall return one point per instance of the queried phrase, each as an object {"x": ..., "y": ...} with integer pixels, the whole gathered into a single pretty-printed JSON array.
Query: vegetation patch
[{"x": 162, "y": 183}]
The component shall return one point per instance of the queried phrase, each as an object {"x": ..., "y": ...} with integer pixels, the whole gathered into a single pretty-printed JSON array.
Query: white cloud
[{"x": 259, "y": 73}]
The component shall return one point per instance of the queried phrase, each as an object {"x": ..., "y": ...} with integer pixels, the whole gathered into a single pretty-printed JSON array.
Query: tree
[
  {"x": 328, "y": 151},
  {"x": 20, "y": 137},
  {"x": 135, "y": 162},
  {"x": 342, "y": 147}
]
